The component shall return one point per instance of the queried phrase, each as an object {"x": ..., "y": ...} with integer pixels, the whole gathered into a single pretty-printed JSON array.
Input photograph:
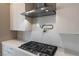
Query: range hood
[{"x": 41, "y": 10}]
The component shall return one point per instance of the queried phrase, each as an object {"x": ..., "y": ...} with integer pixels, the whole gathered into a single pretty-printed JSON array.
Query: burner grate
[{"x": 39, "y": 48}]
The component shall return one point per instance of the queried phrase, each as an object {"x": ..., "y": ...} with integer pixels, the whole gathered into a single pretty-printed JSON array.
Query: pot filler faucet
[{"x": 46, "y": 27}]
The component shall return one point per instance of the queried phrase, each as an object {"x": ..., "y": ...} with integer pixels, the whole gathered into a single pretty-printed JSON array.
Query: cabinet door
[
  {"x": 17, "y": 21},
  {"x": 7, "y": 50},
  {"x": 13, "y": 51}
]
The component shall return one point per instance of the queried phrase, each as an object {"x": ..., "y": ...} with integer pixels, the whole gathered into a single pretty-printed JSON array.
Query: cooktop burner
[{"x": 39, "y": 48}]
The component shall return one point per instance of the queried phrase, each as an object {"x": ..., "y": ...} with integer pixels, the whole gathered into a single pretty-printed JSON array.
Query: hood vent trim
[{"x": 42, "y": 10}]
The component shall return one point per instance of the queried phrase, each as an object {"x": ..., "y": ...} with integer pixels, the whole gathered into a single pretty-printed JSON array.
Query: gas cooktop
[{"x": 40, "y": 49}]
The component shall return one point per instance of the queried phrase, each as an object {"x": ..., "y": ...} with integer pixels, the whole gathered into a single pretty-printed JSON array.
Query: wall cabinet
[{"x": 17, "y": 21}]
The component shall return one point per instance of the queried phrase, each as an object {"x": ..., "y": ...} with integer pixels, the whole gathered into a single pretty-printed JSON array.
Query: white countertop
[
  {"x": 14, "y": 43},
  {"x": 17, "y": 43}
]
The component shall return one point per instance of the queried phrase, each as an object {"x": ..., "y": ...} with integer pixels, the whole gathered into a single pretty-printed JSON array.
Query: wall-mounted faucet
[{"x": 46, "y": 27}]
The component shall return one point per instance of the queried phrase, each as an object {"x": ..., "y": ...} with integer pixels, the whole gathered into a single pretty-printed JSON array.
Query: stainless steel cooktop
[{"x": 38, "y": 48}]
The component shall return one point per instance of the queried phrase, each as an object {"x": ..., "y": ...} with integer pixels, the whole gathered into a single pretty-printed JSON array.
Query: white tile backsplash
[
  {"x": 69, "y": 41},
  {"x": 65, "y": 21},
  {"x": 37, "y": 34},
  {"x": 49, "y": 38}
]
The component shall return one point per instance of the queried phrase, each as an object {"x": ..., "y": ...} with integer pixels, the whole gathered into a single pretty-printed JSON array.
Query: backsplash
[
  {"x": 65, "y": 28},
  {"x": 37, "y": 34},
  {"x": 69, "y": 41}
]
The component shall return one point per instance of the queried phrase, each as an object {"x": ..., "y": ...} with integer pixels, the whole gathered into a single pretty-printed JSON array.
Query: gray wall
[
  {"x": 67, "y": 18},
  {"x": 67, "y": 21}
]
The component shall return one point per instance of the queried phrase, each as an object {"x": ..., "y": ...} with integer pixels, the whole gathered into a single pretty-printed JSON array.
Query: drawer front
[
  {"x": 21, "y": 53},
  {"x": 6, "y": 53},
  {"x": 12, "y": 51},
  {"x": 7, "y": 50}
]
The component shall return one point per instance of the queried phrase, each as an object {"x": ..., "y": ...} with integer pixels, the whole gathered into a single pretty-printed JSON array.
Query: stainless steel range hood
[{"x": 42, "y": 9}]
